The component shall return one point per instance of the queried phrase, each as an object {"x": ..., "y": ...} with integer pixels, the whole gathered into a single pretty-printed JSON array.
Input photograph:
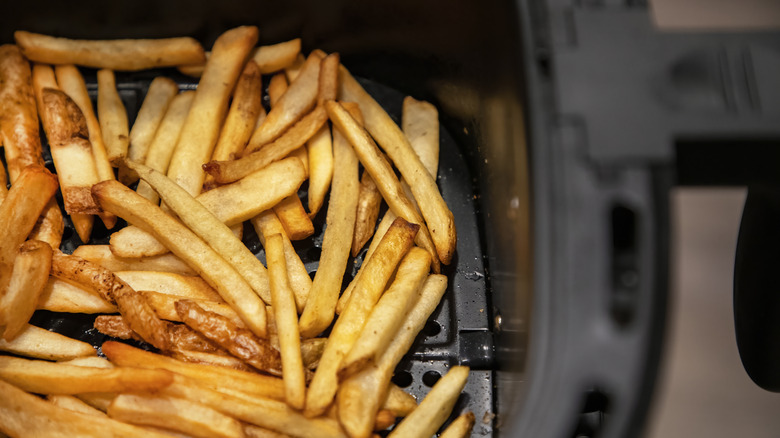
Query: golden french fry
[
  {"x": 44, "y": 377},
  {"x": 49, "y": 226},
  {"x": 185, "y": 286},
  {"x": 133, "y": 242},
  {"x": 98, "y": 400},
  {"x": 209, "y": 228},
  {"x": 102, "y": 255},
  {"x": 396, "y": 243},
  {"x": 252, "y": 431},
  {"x": 159, "y": 96},
  {"x": 398, "y": 401},
  {"x": 176, "y": 414},
  {"x": 23, "y": 414},
  {"x": 184, "y": 243},
  {"x": 24, "y": 203},
  {"x": 224, "y": 380},
  {"x": 293, "y": 70},
  {"x": 435, "y": 407},
  {"x": 3, "y": 185},
  {"x": 128, "y": 54},
  {"x": 320, "y": 149},
  {"x": 460, "y": 427},
  {"x": 382, "y": 173},
  {"x": 329, "y": 79},
  {"x": 201, "y": 129},
  {"x": 296, "y": 222},
  {"x": 61, "y": 296},
  {"x": 438, "y": 216},
  {"x": 384, "y": 419},
  {"x": 292, "y": 139},
  {"x": 40, "y": 343},
  {"x": 72, "y": 403},
  {"x": 28, "y": 278},
  {"x": 275, "y": 57},
  {"x": 266, "y": 224},
  {"x": 369, "y": 202},
  {"x": 277, "y": 86},
  {"x": 360, "y": 396},
  {"x": 340, "y": 222},
  {"x": 286, "y": 318},
  {"x": 112, "y": 117},
  {"x": 165, "y": 306},
  {"x": 241, "y": 119},
  {"x": 160, "y": 149},
  {"x": 213, "y": 359},
  {"x": 297, "y": 101}
]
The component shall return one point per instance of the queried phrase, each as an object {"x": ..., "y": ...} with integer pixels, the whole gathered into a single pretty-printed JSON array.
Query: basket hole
[
  {"x": 314, "y": 253},
  {"x": 594, "y": 413},
  {"x": 402, "y": 379},
  {"x": 430, "y": 378},
  {"x": 67, "y": 233},
  {"x": 625, "y": 260},
  {"x": 432, "y": 328}
]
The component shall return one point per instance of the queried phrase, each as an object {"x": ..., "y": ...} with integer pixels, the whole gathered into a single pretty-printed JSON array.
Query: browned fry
[
  {"x": 24, "y": 203},
  {"x": 241, "y": 119},
  {"x": 213, "y": 359},
  {"x": 296, "y": 222},
  {"x": 238, "y": 341},
  {"x": 112, "y": 117},
  {"x": 28, "y": 278},
  {"x": 40, "y": 343},
  {"x": 329, "y": 79},
  {"x": 311, "y": 351},
  {"x": 292, "y": 139},
  {"x": 49, "y": 226},
  {"x": 102, "y": 255},
  {"x": 3, "y": 184},
  {"x": 61, "y": 296},
  {"x": 180, "y": 336},
  {"x": 369, "y": 202},
  {"x": 127, "y": 54},
  {"x": 384, "y": 419},
  {"x": 199, "y": 135},
  {"x": 277, "y": 86},
  {"x": 131, "y": 305},
  {"x": 165, "y": 306},
  {"x": 461, "y": 427}
]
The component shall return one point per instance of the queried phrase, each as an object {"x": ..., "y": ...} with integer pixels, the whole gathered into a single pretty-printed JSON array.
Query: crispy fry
[
  {"x": 49, "y": 226},
  {"x": 28, "y": 278},
  {"x": 382, "y": 173},
  {"x": 159, "y": 96},
  {"x": 340, "y": 222},
  {"x": 39, "y": 343},
  {"x": 320, "y": 150},
  {"x": 176, "y": 414},
  {"x": 201, "y": 129},
  {"x": 90, "y": 361},
  {"x": 461, "y": 427},
  {"x": 286, "y": 318},
  {"x": 165, "y": 307},
  {"x": 369, "y": 202},
  {"x": 73, "y": 404},
  {"x": 213, "y": 359},
  {"x": 329, "y": 79},
  {"x": 438, "y": 216},
  {"x": 112, "y": 117},
  {"x": 44, "y": 377},
  {"x": 179, "y": 335},
  {"x": 98, "y": 400},
  {"x": 396, "y": 243},
  {"x": 296, "y": 222},
  {"x": 170, "y": 284},
  {"x": 275, "y": 57},
  {"x": 160, "y": 151},
  {"x": 128, "y": 54},
  {"x": 311, "y": 351},
  {"x": 102, "y": 255},
  {"x": 61, "y": 296},
  {"x": 398, "y": 401},
  {"x": 292, "y": 139},
  {"x": 435, "y": 407}
]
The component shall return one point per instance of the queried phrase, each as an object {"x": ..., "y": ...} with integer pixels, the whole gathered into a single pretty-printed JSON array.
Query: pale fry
[
  {"x": 276, "y": 57},
  {"x": 296, "y": 222},
  {"x": 177, "y": 414},
  {"x": 435, "y": 407},
  {"x": 460, "y": 427},
  {"x": 43, "y": 377},
  {"x": 277, "y": 86},
  {"x": 369, "y": 202},
  {"x": 73, "y": 404},
  {"x": 329, "y": 79},
  {"x": 133, "y": 242},
  {"x": 40, "y": 343},
  {"x": 438, "y": 216},
  {"x": 159, "y": 96},
  {"x": 28, "y": 278},
  {"x": 61, "y": 296},
  {"x": 209, "y": 228},
  {"x": 252, "y": 431},
  {"x": 396, "y": 243},
  {"x": 382, "y": 173},
  {"x": 398, "y": 401},
  {"x": 266, "y": 224},
  {"x": 213, "y": 359},
  {"x": 169, "y": 283},
  {"x": 292, "y": 139},
  {"x": 340, "y": 222},
  {"x": 98, "y": 400},
  {"x": 293, "y": 70},
  {"x": 184, "y": 243},
  {"x": 320, "y": 149},
  {"x": 102, "y": 255},
  {"x": 286, "y": 318},
  {"x": 299, "y": 99},
  {"x": 165, "y": 306},
  {"x": 160, "y": 151},
  {"x": 201, "y": 129},
  {"x": 112, "y": 117}
]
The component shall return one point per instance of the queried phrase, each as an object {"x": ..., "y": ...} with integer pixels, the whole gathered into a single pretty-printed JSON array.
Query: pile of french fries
[{"x": 238, "y": 347}]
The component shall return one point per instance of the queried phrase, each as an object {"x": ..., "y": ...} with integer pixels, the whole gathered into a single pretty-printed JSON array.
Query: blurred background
[{"x": 703, "y": 389}]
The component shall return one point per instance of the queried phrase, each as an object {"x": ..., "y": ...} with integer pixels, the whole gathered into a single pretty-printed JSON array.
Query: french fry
[
  {"x": 296, "y": 222},
  {"x": 160, "y": 151},
  {"x": 384, "y": 419},
  {"x": 297, "y": 101},
  {"x": 252, "y": 431},
  {"x": 24, "y": 203},
  {"x": 159, "y": 96},
  {"x": 98, "y": 400},
  {"x": 360, "y": 396},
  {"x": 90, "y": 361},
  {"x": 275, "y": 57},
  {"x": 286, "y": 318},
  {"x": 102, "y": 255},
  {"x": 176, "y": 414},
  {"x": 128, "y": 54},
  {"x": 184, "y": 243},
  {"x": 180, "y": 335},
  {"x": 72, "y": 83},
  {"x": 438, "y": 216},
  {"x": 266, "y": 224},
  {"x": 40, "y": 343},
  {"x": 165, "y": 307},
  {"x": 61, "y": 296},
  {"x": 382, "y": 173},
  {"x": 224, "y": 380},
  {"x": 132, "y": 242},
  {"x": 340, "y": 222},
  {"x": 112, "y": 117},
  {"x": 277, "y": 86},
  {"x": 3, "y": 184},
  {"x": 199, "y": 135},
  {"x": 435, "y": 407},
  {"x": 23, "y": 414},
  {"x": 213, "y": 359},
  {"x": 461, "y": 427},
  {"x": 72, "y": 403},
  {"x": 44, "y": 377},
  {"x": 369, "y": 202},
  {"x": 293, "y": 70},
  {"x": 329, "y": 79},
  {"x": 320, "y": 150},
  {"x": 169, "y": 283},
  {"x": 28, "y": 278},
  {"x": 398, "y": 401},
  {"x": 396, "y": 243},
  {"x": 292, "y": 139},
  {"x": 241, "y": 119},
  {"x": 49, "y": 226}
]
